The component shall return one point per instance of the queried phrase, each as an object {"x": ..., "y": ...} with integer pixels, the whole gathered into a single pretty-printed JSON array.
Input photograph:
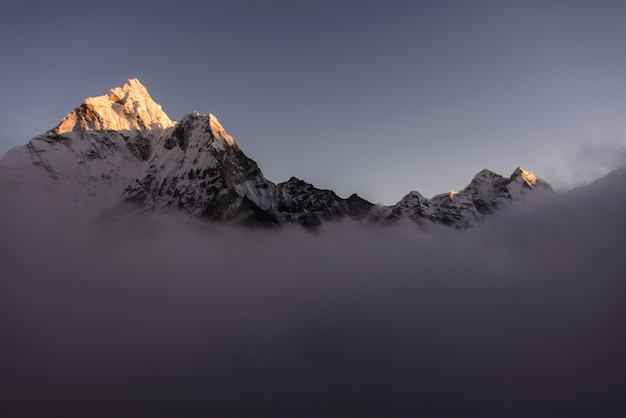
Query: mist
[
  {"x": 584, "y": 163},
  {"x": 163, "y": 316}
]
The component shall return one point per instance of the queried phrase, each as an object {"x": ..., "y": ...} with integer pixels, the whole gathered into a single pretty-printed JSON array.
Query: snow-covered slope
[{"x": 119, "y": 154}]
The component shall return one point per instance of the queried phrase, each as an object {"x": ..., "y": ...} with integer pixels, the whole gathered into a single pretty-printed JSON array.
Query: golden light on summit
[
  {"x": 529, "y": 177},
  {"x": 125, "y": 108}
]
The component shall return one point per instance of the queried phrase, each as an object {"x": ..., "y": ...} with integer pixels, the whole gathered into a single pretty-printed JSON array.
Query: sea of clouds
[{"x": 162, "y": 316}]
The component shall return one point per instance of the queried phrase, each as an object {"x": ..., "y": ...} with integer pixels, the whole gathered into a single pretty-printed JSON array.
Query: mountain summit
[
  {"x": 129, "y": 107},
  {"x": 119, "y": 155}
]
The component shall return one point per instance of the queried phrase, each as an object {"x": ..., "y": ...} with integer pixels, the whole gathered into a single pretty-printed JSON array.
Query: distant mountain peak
[
  {"x": 527, "y": 176},
  {"x": 129, "y": 107},
  {"x": 203, "y": 129},
  {"x": 486, "y": 174}
]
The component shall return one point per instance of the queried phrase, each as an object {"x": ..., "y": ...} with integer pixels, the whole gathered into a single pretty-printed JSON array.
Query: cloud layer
[{"x": 521, "y": 317}]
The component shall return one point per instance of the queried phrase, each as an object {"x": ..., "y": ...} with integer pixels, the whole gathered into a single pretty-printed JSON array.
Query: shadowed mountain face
[{"x": 120, "y": 155}]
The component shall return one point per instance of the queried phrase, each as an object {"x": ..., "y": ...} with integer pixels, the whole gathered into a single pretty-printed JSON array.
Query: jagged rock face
[
  {"x": 298, "y": 201},
  {"x": 120, "y": 154},
  {"x": 358, "y": 208},
  {"x": 199, "y": 169}
]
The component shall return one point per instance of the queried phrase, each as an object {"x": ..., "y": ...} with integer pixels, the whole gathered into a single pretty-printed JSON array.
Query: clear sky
[{"x": 373, "y": 97}]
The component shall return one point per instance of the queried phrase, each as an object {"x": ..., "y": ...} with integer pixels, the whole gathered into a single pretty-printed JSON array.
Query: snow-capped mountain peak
[
  {"x": 129, "y": 107},
  {"x": 200, "y": 131},
  {"x": 527, "y": 176},
  {"x": 523, "y": 184}
]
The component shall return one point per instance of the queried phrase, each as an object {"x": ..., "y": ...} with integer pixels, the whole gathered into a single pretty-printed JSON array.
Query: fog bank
[{"x": 524, "y": 316}]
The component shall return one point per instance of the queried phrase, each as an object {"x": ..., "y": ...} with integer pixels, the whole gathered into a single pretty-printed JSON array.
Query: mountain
[
  {"x": 119, "y": 155},
  {"x": 88, "y": 159},
  {"x": 486, "y": 194}
]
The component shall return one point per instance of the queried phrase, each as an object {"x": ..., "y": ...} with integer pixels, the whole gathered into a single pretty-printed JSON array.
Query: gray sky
[{"x": 372, "y": 97}]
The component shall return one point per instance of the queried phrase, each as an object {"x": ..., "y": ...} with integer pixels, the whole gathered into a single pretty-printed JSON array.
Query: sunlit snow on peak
[
  {"x": 529, "y": 177},
  {"x": 129, "y": 107}
]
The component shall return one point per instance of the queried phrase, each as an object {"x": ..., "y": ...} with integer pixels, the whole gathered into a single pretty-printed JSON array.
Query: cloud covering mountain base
[{"x": 523, "y": 316}]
